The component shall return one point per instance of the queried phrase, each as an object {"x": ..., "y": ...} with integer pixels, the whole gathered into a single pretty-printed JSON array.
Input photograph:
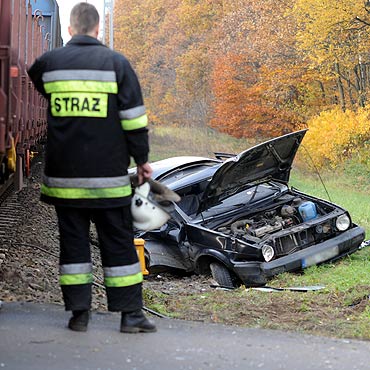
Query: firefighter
[{"x": 96, "y": 122}]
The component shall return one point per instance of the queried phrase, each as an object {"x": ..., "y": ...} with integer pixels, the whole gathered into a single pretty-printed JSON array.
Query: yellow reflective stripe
[
  {"x": 79, "y": 105},
  {"x": 86, "y": 182},
  {"x": 132, "y": 113},
  {"x": 122, "y": 270},
  {"x": 81, "y": 86},
  {"x": 76, "y": 279},
  {"x": 81, "y": 193},
  {"x": 75, "y": 268},
  {"x": 122, "y": 281},
  {"x": 133, "y": 124}
]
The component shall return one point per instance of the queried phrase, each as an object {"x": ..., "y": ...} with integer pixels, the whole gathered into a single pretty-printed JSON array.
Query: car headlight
[
  {"x": 268, "y": 252},
  {"x": 343, "y": 222}
]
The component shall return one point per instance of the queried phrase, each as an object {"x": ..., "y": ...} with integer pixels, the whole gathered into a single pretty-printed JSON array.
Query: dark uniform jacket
[{"x": 96, "y": 122}]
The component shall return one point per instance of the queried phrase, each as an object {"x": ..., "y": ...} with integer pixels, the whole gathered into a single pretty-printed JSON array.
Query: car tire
[{"x": 222, "y": 275}]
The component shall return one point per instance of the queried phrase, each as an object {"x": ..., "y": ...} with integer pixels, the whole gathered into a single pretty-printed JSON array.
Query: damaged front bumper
[{"x": 256, "y": 273}]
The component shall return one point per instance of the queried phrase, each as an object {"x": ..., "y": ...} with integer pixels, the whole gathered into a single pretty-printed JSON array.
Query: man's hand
[{"x": 144, "y": 172}]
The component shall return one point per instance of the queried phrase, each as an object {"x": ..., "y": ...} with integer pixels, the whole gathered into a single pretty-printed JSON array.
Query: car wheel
[{"x": 222, "y": 275}]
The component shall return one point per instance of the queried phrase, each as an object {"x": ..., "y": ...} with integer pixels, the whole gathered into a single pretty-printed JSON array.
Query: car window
[{"x": 181, "y": 178}]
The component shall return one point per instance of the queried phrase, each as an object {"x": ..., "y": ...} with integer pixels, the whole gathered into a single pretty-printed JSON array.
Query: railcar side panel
[{"x": 27, "y": 29}]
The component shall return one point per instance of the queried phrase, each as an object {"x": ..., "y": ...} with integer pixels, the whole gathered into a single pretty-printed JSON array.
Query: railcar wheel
[{"x": 222, "y": 275}]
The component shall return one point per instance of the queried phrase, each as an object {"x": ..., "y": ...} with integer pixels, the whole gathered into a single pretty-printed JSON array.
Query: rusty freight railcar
[{"x": 27, "y": 29}]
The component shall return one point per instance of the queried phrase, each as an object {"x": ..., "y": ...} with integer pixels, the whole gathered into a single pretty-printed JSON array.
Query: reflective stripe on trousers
[
  {"x": 75, "y": 274},
  {"x": 118, "y": 276},
  {"x": 121, "y": 276}
]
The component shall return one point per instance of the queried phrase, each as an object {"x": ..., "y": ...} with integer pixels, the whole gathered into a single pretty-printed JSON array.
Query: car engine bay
[{"x": 285, "y": 227}]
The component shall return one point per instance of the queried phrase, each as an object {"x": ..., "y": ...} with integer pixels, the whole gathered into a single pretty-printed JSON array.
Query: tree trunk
[
  {"x": 359, "y": 86},
  {"x": 350, "y": 92},
  {"x": 342, "y": 100}
]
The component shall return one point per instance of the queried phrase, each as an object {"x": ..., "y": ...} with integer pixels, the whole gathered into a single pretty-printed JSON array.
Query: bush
[{"x": 336, "y": 136}]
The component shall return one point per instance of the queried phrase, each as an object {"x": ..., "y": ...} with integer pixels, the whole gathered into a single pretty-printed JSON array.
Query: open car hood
[{"x": 270, "y": 160}]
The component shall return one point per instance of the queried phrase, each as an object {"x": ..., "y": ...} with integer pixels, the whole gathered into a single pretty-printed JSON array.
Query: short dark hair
[{"x": 84, "y": 18}]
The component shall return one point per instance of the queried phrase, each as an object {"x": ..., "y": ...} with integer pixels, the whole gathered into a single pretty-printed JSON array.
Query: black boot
[
  {"x": 79, "y": 320},
  {"x": 135, "y": 322}
]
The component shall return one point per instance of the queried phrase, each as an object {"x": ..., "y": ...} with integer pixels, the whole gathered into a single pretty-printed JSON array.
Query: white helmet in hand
[{"x": 149, "y": 210}]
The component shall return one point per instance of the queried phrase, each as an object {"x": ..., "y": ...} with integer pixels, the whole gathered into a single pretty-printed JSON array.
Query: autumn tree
[
  {"x": 165, "y": 40},
  {"x": 246, "y": 67},
  {"x": 255, "y": 67},
  {"x": 334, "y": 40}
]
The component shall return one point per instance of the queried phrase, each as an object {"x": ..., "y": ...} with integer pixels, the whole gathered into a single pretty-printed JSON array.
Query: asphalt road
[{"x": 34, "y": 337}]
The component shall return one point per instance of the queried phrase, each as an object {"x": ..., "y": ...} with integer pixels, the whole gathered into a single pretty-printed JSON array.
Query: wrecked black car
[{"x": 239, "y": 220}]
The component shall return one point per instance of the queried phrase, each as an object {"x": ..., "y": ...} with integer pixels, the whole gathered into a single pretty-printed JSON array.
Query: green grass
[
  {"x": 169, "y": 141},
  {"x": 340, "y": 190}
]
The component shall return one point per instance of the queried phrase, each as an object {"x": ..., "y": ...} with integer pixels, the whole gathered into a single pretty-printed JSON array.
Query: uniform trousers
[{"x": 121, "y": 267}]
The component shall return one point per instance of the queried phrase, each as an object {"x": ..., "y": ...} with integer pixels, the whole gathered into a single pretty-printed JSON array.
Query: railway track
[
  {"x": 6, "y": 189},
  {"x": 10, "y": 209}
]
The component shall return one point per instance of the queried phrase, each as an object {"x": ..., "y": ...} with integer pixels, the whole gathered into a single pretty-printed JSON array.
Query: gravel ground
[{"x": 29, "y": 256}]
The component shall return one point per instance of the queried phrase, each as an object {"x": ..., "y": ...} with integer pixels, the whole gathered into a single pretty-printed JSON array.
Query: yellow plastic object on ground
[{"x": 139, "y": 244}]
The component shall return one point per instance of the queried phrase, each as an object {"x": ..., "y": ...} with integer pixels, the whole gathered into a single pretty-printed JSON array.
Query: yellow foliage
[
  {"x": 331, "y": 31},
  {"x": 335, "y": 136}
]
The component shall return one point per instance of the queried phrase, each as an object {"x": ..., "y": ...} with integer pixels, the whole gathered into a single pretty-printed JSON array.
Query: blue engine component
[{"x": 307, "y": 210}]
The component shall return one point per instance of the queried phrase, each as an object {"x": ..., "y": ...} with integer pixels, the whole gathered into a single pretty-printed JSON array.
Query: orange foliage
[
  {"x": 241, "y": 106},
  {"x": 256, "y": 41}
]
